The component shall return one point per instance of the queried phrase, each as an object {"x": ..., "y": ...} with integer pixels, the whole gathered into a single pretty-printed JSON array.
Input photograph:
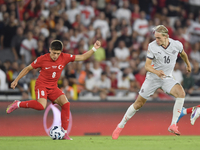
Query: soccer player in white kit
[{"x": 161, "y": 59}]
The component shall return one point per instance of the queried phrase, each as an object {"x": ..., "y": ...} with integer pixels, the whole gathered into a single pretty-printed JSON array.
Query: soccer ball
[{"x": 57, "y": 133}]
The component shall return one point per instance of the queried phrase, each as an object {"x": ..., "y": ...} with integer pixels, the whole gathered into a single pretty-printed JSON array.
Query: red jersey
[{"x": 51, "y": 70}]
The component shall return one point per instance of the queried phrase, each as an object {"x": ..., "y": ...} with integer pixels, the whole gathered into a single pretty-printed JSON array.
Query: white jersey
[{"x": 163, "y": 58}]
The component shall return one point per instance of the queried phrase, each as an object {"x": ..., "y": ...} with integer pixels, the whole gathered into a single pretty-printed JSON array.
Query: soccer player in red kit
[{"x": 51, "y": 65}]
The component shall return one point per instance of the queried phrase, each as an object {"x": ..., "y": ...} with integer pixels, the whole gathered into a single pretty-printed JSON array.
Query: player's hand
[
  {"x": 188, "y": 68},
  {"x": 13, "y": 84},
  {"x": 160, "y": 74},
  {"x": 97, "y": 44}
]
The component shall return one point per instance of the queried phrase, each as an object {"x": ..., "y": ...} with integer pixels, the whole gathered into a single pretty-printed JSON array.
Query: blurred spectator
[
  {"x": 141, "y": 75},
  {"x": 196, "y": 74},
  {"x": 129, "y": 72},
  {"x": 8, "y": 32},
  {"x": 3, "y": 9},
  {"x": 90, "y": 85},
  {"x": 12, "y": 72},
  {"x": 134, "y": 86},
  {"x": 68, "y": 90},
  {"x": 32, "y": 9},
  {"x": 87, "y": 12},
  {"x": 94, "y": 6},
  {"x": 141, "y": 27},
  {"x": 39, "y": 51},
  {"x": 195, "y": 54},
  {"x": 188, "y": 83},
  {"x": 23, "y": 82},
  {"x": 80, "y": 76},
  {"x": 124, "y": 12},
  {"x": 3, "y": 84},
  {"x": 16, "y": 43},
  {"x": 173, "y": 10},
  {"x": 70, "y": 74},
  {"x": 110, "y": 46},
  {"x": 124, "y": 83},
  {"x": 102, "y": 24},
  {"x": 122, "y": 54},
  {"x": 135, "y": 14},
  {"x": 114, "y": 84},
  {"x": 125, "y": 35},
  {"x": 194, "y": 30},
  {"x": 177, "y": 74},
  {"x": 194, "y": 5},
  {"x": 27, "y": 46},
  {"x": 108, "y": 11},
  {"x": 96, "y": 70},
  {"x": 103, "y": 85},
  {"x": 73, "y": 11}
]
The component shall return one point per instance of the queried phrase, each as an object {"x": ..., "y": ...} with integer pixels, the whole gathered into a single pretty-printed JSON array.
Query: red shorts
[{"x": 48, "y": 93}]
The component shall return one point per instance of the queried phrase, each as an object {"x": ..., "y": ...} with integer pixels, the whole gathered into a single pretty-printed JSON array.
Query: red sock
[
  {"x": 31, "y": 104},
  {"x": 189, "y": 110},
  {"x": 65, "y": 115}
]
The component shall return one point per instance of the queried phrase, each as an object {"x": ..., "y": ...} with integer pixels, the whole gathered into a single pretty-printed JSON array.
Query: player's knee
[
  {"x": 138, "y": 105},
  {"x": 181, "y": 94}
]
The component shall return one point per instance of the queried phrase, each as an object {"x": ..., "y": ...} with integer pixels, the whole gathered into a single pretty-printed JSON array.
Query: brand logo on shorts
[{"x": 142, "y": 91}]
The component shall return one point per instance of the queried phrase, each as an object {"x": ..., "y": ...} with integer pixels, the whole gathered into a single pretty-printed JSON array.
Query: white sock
[
  {"x": 185, "y": 111},
  {"x": 18, "y": 104},
  {"x": 177, "y": 109},
  {"x": 129, "y": 113}
]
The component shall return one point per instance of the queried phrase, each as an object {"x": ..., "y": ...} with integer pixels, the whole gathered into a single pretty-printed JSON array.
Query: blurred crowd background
[{"x": 124, "y": 27}]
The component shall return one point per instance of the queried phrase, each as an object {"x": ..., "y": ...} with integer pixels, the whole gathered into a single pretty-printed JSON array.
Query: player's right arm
[
  {"x": 21, "y": 74},
  {"x": 150, "y": 68}
]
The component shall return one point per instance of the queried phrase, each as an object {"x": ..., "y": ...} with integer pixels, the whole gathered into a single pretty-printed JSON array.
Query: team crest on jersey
[
  {"x": 60, "y": 66},
  {"x": 174, "y": 52},
  {"x": 35, "y": 61}
]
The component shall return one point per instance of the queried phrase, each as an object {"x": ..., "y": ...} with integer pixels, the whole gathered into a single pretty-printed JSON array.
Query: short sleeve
[
  {"x": 37, "y": 63},
  {"x": 150, "y": 55},
  {"x": 69, "y": 58},
  {"x": 179, "y": 46}
]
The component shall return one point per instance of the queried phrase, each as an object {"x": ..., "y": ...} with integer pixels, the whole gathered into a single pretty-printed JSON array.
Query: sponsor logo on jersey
[
  {"x": 35, "y": 61},
  {"x": 159, "y": 52},
  {"x": 54, "y": 67},
  {"x": 47, "y": 67}
]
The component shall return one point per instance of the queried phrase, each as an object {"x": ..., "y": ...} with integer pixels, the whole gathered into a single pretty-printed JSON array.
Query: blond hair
[{"x": 161, "y": 29}]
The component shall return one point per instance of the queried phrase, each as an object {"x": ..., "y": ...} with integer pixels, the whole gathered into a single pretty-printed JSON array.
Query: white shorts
[{"x": 151, "y": 85}]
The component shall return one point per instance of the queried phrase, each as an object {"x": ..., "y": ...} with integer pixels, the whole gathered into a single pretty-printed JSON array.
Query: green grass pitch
[{"x": 102, "y": 143}]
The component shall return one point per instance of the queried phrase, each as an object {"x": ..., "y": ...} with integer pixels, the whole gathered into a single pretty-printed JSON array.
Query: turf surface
[{"x": 102, "y": 143}]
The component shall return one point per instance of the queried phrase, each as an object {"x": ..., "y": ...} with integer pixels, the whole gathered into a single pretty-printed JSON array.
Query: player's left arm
[
  {"x": 89, "y": 53},
  {"x": 186, "y": 60}
]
